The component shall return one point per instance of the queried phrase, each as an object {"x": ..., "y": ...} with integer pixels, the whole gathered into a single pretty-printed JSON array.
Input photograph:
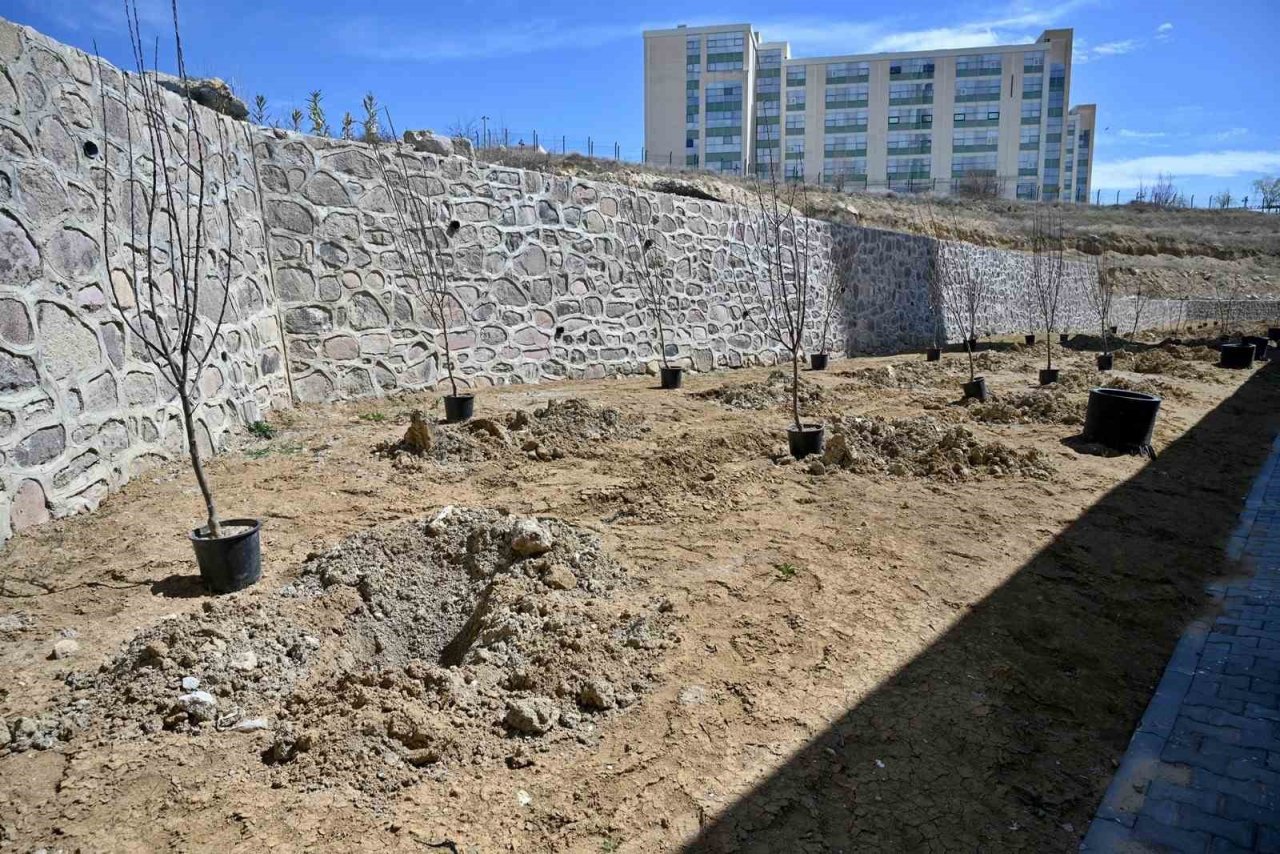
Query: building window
[
  {"x": 845, "y": 120},
  {"x": 968, "y": 165},
  {"x": 1033, "y": 61},
  {"x": 911, "y": 69},
  {"x": 977, "y": 90},
  {"x": 795, "y": 100},
  {"x": 848, "y": 72},
  {"x": 1033, "y": 86},
  {"x": 847, "y": 96},
  {"x": 795, "y": 123},
  {"x": 968, "y": 114},
  {"x": 844, "y": 145},
  {"x": 1029, "y": 138},
  {"x": 978, "y": 65},
  {"x": 909, "y": 143},
  {"x": 910, "y": 93},
  {"x": 796, "y": 75},
  {"x": 975, "y": 140},
  {"x": 910, "y": 117},
  {"x": 1030, "y": 112}
]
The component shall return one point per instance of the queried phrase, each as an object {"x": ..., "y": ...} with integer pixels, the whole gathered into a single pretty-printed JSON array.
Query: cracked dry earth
[{"x": 939, "y": 638}]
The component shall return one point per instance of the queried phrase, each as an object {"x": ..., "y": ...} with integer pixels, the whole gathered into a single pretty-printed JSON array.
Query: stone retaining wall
[{"x": 321, "y": 307}]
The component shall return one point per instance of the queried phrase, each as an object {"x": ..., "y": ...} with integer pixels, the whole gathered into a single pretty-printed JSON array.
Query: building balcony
[
  {"x": 856, "y": 78},
  {"x": 1031, "y": 120},
  {"x": 974, "y": 149},
  {"x": 844, "y": 152},
  {"x": 911, "y": 75},
  {"x": 845, "y": 105},
  {"x": 920, "y": 125},
  {"x": 1029, "y": 146},
  {"x": 855, "y": 128},
  {"x": 979, "y": 72},
  {"x": 977, "y": 123},
  {"x": 908, "y": 102},
  {"x": 977, "y": 97}
]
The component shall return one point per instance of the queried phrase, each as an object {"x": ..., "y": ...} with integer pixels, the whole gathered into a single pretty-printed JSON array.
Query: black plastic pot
[
  {"x": 1030, "y": 339},
  {"x": 672, "y": 377},
  {"x": 1105, "y": 361},
  {"x": 1063, "y": 337},
  {"x": 933, "y": 354},
  {"x": 232, "y": 562},
  {"x": 1260, "y": 345},
  {"x": 1048, "y": 375},
  {"x": 809, "y": 439},
  {"x": 1121, "y": 419},
  {"x": 818, "y": 361},
  {"x": 976, "y": 389},
  {"x": 973, "y": 345},
  {"x": 1114, "y": 329},
  {"x": 459, "y": 408},
  {"x": 1273, "y": 332},
  {"x": 1236, "y": 356}
]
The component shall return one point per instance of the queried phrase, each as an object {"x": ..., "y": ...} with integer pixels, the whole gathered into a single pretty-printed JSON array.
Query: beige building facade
[{"x": 987, "y": 121}]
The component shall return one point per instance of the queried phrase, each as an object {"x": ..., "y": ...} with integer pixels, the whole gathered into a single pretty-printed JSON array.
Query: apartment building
[{"x": 991, "y": 121}]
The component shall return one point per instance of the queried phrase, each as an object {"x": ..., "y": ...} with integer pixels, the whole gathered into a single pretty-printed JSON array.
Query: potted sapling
[
  {"x": 963, "y": 291},
  {"x": 652, "y": 274},
  {"x": 779, "y": 271},
  {"x": 1100, "y": 289},
  {"x": 937, "y": 309},
  {"x": 175, "y": 250},
  {"x": 833, "y": 298},
  {"x": 422, "y": 240},
  {"x": 1048, "y": 269}
]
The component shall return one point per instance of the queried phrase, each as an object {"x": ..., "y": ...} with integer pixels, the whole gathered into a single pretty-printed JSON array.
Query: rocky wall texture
[
  {"x": 81, "y": 408},
  {"x": 537, "y": 263}
]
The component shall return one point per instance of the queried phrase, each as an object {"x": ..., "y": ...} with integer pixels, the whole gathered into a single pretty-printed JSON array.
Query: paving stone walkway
[{"x": 1202, "y": 772}]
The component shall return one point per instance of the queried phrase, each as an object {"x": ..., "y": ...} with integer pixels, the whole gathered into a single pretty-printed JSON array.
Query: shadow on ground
[{"x": 1003, "y": 735}]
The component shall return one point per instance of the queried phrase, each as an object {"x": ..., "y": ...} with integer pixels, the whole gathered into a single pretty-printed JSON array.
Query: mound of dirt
[
  {"x": 775, "y": 390},
  {"x": 1190, "y": 363},
  {"x": 461, "y": 638},
  {"x": 902, "y": 375},
  {"x": 924, "y": 447},
  {"x": 569, "y": 427},
  {"x": 441, "y": 443},
  {"x": 1047, "y": 405}
]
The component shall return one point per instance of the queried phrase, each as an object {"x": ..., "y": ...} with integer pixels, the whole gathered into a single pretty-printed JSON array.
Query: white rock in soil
[
  {"x": 692, "y": 695},
  {"x": 597, "y": 694},
  {"x": 528, "y": 538},
  {"x": 244, "y": 661},
  {"x": 200, "y": 705},
  {"x": 531, "y": 716},
  {"x": 251, "y": 725},
  {"x": 5, "y": 738},
  {"x": 437, "y": 524},
  {"x": 190, "y": 683},
  {"x": 65, "y": 648}
]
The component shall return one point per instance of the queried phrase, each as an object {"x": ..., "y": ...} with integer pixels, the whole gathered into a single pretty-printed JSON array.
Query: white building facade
[{"x": 988, "y": 121}]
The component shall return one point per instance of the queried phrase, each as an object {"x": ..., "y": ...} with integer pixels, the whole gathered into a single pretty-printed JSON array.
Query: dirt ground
[{"x": 938, "y": 638}]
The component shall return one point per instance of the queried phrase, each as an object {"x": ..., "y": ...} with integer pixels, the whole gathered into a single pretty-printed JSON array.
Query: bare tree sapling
[
  {"x": 1048, "y": 272},
  {"x": 179, "y": 234},
  {"x": 650, "y": 270}
]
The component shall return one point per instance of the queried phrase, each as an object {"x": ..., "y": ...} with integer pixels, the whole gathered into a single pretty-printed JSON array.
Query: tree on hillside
[{"x": 1268, "y": 191}]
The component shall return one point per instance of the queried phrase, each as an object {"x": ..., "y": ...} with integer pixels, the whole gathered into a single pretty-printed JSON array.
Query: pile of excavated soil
[
  {"x": 426, "y": 441},
  {"x": 902, "y": 375},
  {"x": 569, "y": 427},
  {"x": 1192, "y": 363},
  {"x": 690, "y": 475},
  {"x": 924, "y": 447},
  {"x": 1047, "y": 405},
  {"x": 563, "y": 427},
  {"x": 775, "y": 390},
  {"x": 468, "y": 637}
]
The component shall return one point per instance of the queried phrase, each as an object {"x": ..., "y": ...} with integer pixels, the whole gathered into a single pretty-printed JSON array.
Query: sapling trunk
[
  {"x": 213, "y": 526},
  {"x": 795, "y": 388},
  {"x": 1048, "y": 349}
]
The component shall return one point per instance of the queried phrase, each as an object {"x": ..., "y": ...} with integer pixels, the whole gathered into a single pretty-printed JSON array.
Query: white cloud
[
  {"x": 1230, "y": 134},
  {"x": 816, "y": 37},
  {"x": 1126, "y": 174},
  {"x": 1115, "y": 48},
  {"x": 380, "y": 38},
  {"x": 1125, "y": 133},
  {"x": 1164, "y": 31}
]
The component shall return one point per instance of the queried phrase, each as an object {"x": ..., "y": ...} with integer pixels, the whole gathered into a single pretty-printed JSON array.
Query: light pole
[{"x": 484, "y": 120}]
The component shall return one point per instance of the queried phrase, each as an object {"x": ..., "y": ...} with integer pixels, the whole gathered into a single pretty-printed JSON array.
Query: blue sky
[{"x": 1184, "y": 87}]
